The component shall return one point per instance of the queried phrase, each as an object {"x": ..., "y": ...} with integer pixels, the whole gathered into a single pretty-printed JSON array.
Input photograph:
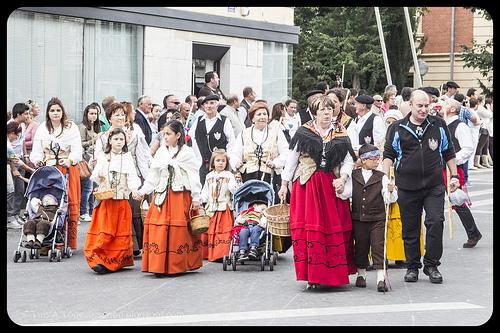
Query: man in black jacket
[
  {"x": 211, "y": 86},
  {"x": 144, "y": 107},
  {"x": 421, "y": 144}
]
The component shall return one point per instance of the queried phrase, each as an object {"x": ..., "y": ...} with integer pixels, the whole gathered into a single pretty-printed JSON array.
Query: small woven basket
[
  {"x": 278, "y": 219},
  {"x": 199, "y": 223},
  {"x": 104, "y": 194}
]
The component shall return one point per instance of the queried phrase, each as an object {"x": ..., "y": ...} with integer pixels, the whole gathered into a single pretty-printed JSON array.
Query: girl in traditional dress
[
  {"x": 217, "y": 192},
  {"x": 319, "y": 163},
  {"x": 169, "y": 247},
  {"x": 57, "y": 142},
  {"x": 109, "y": 246}
]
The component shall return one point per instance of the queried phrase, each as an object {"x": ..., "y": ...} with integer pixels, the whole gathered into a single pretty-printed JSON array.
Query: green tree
[
  {"x": 480, "y": 56},
  {"x": 331, "y": 37}
]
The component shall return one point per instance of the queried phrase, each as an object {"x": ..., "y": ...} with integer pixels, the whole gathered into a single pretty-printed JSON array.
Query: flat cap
[
  {"x": 452, "y": 84},
  {"x": 211, "y": 97},
  {"x": 365, "y": 99},
  {"x": 314, "y": 92}
]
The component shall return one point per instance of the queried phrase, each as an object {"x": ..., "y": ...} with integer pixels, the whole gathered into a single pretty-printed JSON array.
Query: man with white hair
[
  {"x": 377, "y": 105},
  {"x": 462, "y": 141}
]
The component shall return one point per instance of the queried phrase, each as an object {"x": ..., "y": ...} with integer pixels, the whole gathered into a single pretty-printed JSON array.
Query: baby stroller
[
  {"x": 48, "y": 180},
  {"x": 249, "y": 192}
]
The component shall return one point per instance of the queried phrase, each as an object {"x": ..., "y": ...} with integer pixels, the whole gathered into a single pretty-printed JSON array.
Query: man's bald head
[{"x": 419, "y": 94}]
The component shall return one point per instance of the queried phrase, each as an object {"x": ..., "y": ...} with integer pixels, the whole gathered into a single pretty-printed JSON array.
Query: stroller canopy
[
  {"x": 251, "y": 191},
  {"x": 46, "y": 180}
]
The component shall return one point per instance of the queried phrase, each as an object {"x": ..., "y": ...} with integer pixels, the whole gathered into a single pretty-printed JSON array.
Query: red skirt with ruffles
[{"x": 321, "y": 228}]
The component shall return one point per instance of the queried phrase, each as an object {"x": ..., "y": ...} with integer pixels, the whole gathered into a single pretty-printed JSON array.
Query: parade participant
[
  {"x": 320, "y": 223},
  {"x": 371, "y": 192},
  {"x": 119, "y": 116},
  {"x": 251, "y": 222},
  {"x": 169, "y": 247},
  {"x": 462, "y": 142},
  {"x": 210, "y": 131},
  {"x": 370, "y": 127},
  {"x": 305, "y": 114},
  {"x": 339, "y": 116},
  {"x": 419, "y": 143},
  {"x": 259, "y": 149},
  {"x": 211, "y": 86},
  {"x": 57, "y": 142},
  {"x": 109, "y": 245},
  {"x": 217, "y": 192},
  {"x": 38, "y": 227},
  {"x": 291, "y": 119},
  {"x": 89, "y": 128}
]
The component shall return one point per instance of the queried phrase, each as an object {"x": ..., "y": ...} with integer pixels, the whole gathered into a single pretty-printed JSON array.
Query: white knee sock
[
  {"x": 362, "y": 272},
  {"x": 30, "y": 237},
  {"x": 380, "y": 275},
  {"x": 40, "y": 238}
]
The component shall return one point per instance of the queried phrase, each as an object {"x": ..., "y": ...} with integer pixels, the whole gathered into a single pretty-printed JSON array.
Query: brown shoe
[
  {"x": 360, "y": 282},
  {"x": 471, "y": 242}
]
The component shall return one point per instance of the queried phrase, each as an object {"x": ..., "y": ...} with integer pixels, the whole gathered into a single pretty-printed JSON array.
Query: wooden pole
[
  {"x": 342, "y": 79},
  {"x": 382, "y": 44},
  {"x": 412, "y": 45},
  {"x": 448, "y": 178},
  {"x": 386, "y": 276}
]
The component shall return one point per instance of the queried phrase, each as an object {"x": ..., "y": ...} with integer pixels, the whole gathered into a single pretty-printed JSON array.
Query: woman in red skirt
[
  {"x": 217, "y": 192},
  {"x": 168, "y": 245},
  {"x": 320, "y": 161}
]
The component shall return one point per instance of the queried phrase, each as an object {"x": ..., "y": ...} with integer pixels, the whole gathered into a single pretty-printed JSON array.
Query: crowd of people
[{"x": 351, "y": 165}]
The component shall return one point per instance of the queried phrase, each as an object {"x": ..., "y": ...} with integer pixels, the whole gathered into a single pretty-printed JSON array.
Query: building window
[
  {"x": 80, "y": 61},
  {"x": 276, "y": 72}
]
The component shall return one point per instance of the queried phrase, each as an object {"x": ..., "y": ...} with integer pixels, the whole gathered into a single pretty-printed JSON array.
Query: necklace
[{"x": 259, "y": 152}]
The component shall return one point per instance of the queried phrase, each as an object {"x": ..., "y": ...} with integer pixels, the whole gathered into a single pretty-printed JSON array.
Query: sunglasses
[{"x": 378, "y": 100}]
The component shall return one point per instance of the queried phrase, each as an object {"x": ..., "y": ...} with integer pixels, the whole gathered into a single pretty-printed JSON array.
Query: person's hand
[
  {"x": 16, "y": 173},
  {"x": 238, "y": 165},
  {"x": 195, "y": 205},
  {"x": 14, "y": 159},
  {"x": 39, "y": 164},
  {"x": 65, "y": 162},
  {"x": 357, "y": 164},
  {"x": 270, "y": 164},
  {"x": 136, "y": 196},
  {"x": 390, "y": 187},
  {"x": 454, "y": 184},
  {"x": 339, "y": 184},
  {"x": 282, "y": 192}
]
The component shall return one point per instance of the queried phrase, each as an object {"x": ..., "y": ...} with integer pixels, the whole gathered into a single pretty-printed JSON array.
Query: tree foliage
[
  {"x": 331, "y": 37},
  {"x": 479, "y": 56}
]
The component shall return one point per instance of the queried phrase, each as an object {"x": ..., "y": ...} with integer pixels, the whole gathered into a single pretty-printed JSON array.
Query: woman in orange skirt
[
  {"x": 108, "y": 246},
  {"x": 168, "y": 245},
  {"x": 57, "y": 143},
  {"x": 217, "y": 192}
]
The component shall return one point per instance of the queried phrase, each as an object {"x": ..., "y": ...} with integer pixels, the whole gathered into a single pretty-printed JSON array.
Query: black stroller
[
  {"x": 249, "y": 192},
  {"x": 48, "y": 180}
]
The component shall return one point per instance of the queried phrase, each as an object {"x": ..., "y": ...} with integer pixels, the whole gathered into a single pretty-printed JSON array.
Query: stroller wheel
[
  {"x": 271, "y": 264},
  {"x": 52, "y": 255},
  {"x": 58, "y": 255},
  {"x": 275, "y": 257},
  {"x": 17, "y": 256},
  {"x": 233, "y": 261},
  {"x": 23, "y": 258},
  {"x": 69, "y": 252},
  {"x": 37, "y": 254},
  {"x": 224, "y": 263},
  {"x": 32, "y": 254},
  {"x": 262, "y": 262}
]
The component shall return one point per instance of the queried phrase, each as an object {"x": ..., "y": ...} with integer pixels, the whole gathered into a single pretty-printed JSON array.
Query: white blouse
[
  {"x": 69, "y": 140},
  {"x": 121, "y": 164}
]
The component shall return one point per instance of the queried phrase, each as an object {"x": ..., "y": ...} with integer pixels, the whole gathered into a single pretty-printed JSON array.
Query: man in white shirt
[
  {"x": 371, "y": 128},
  {"x": 231, "y": 112}
]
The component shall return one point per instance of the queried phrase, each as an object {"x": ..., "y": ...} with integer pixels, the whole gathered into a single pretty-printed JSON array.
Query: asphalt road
[{"x": 40, "y": 292}]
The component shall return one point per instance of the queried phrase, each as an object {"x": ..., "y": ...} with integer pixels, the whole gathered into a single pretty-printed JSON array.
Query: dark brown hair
[
  {"x": 114, "y": 132},
  {"x": 218, "y": 151},
  {"x": 85, "y": 121},
  {"x": 64, "y": 119}
]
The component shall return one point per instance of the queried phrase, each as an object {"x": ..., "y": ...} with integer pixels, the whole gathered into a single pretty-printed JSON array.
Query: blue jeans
[
  {"x": 87, "y": 198},
  {"x": 254, "y": 232},
  {"x": 466, "y": 171}
]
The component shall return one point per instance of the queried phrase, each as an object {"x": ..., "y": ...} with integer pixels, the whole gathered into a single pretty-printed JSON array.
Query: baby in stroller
[
  {"x": 252, "y": 222},
  {"x": 37, "y": 227}
]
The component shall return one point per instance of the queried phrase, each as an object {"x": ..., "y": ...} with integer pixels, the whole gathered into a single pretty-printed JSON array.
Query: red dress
[{"x": 320, "y": 224}]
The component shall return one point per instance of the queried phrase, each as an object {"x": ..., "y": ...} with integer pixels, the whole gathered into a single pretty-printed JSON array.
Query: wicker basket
[
  {"x": 104, "y": 194},
  {"x": 199, "y": 223},
  {"x": 278, "y": 219}
]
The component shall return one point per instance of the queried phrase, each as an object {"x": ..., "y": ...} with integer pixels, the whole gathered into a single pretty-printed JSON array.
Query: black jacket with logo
[{"x": 419, "y": 163}]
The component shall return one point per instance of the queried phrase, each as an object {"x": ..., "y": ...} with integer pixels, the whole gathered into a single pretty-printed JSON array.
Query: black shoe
[
  {"x": 37, "y": 244},
  {"x": 137, "y": 254},
  {"x": 433, "y": 274},
  {"x": 471, "y": 242},
  {"x": 360, "y": 282},
  {"x": 100, "y": 269},
  {"x": 29, "y": 244},
  {"x": 253, "y": 254},
  {"x": 382, "y": 287},
  {"x": 411, "y": 275}
]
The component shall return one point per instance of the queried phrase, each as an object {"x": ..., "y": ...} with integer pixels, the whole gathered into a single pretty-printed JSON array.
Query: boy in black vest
[{"x": 371, "y": 191}]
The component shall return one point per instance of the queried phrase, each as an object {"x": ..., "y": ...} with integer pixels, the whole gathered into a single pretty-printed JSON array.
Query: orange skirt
[
  {"x": 168, "y": 246},
  {"x": 109, "y": 238},
  {"x": 73, "y": 203},
  {"x": 219, "y": 234}
]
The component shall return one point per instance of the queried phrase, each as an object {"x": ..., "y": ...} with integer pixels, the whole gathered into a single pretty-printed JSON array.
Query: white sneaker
[
  {"x": 20, "y": 220},
  {"x": 12, "y": 223},
  {"x": 85, "y": 218}
]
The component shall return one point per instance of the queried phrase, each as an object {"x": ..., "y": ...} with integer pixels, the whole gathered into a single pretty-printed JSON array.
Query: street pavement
[{"x": 40, "y": 292}]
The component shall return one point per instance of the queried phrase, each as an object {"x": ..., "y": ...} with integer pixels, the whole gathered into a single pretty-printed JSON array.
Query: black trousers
[
  {"x": 467, "y": 220},
  {"x": 368, "y": 234},
  {"x": 411, "y": 204}
]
